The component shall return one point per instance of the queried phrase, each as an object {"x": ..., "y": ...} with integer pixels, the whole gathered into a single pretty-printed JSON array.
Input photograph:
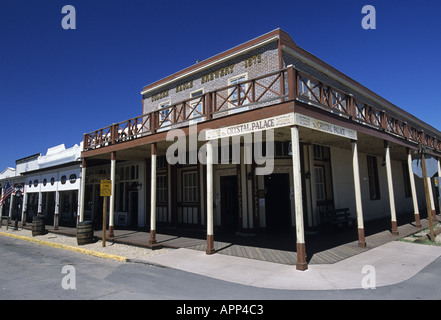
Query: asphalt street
[{"x": 31, "y": 271}]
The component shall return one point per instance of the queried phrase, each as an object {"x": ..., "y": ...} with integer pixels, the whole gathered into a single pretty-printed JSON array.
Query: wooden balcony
[{"x": 285, "y": 85}]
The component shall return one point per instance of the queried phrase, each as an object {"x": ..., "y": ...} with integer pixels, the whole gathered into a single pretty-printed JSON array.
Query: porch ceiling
[{"x": 366, "y": 143}]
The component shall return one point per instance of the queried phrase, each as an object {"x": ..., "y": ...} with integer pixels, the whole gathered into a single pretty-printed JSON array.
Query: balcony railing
[{"x": 285, "y": 85}]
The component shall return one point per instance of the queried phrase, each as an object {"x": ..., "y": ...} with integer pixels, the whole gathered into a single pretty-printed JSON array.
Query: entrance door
[
  {"x": 277, "y": 203},
  {"x": 133, "y": 208},
  {"x": 229, "y": 204}
]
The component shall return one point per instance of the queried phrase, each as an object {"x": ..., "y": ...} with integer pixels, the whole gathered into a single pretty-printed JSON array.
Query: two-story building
[{"x": 263, "y": 137}]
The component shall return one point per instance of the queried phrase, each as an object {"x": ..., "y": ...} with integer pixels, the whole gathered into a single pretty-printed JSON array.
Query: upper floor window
[
  {"x": 196, "y": 106},
  {"x": 164, "y": 115},
  {"x": 237, "y": 94}
]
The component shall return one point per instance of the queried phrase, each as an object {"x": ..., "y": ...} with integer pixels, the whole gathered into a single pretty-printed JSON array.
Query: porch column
[
  {"x": 23, "y": 207},
  {"x": 153, "y": 196},
  {"x": 57, "y": 208},
  {"x": 357, "y": 189},
  {"x": 390, "y": 188},
  {"x": 112, "y": 196},
  {"x": 432, "y": 202},
  {"x": 439, "y": 175},
  {"x": 83, "y": 189},
  {"x": 1, "y": 205},
  {"x": 11, "y": 204},
  {"x": 297, "y": 181},
  {"x": 413, "y": 189},
  {"x": 40, "y": 204},
  {"x": 210, "y": 238}
]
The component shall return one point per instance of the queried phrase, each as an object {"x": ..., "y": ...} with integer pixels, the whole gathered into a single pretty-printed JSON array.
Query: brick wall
[{"x": 260, "y": 61}]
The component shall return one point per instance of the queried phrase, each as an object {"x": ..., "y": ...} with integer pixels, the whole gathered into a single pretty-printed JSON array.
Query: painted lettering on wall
[
  {"x": 184, "y": 86},
  {"x": 160, "y": 95},
  {"x": 253, "y": 60},
  {"x": 217, "y": 74}
]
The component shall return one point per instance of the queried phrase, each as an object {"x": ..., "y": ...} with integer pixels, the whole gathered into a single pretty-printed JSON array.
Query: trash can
[
  {"x": 85, "y": 233},
  {"x": 38, "y": 226}
]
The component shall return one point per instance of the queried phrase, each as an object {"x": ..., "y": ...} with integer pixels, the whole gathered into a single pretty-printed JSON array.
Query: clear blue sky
[{"x": 57, "y": 84}]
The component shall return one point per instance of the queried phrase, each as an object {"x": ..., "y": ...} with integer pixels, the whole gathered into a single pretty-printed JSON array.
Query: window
[
  {"x": 196, "y": 106},
  {"x": 374, "y": 183},
  {"x": 237, "y": 94},
  {"x": 164, "y": 115},
  {"x": 161, "y": 188},
  {"x": 321, "y": 153},
  {"x": 190, "y": 187},
  {"x": 281, "y": 149},
  {"x": 319, "y": 177}
]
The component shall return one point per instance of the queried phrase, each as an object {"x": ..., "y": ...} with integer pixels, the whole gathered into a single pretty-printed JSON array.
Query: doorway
[
  {"x": 133, "y": 208},
  {"x": 229, "y": 203},
  {"x": 277, "y": 203}
]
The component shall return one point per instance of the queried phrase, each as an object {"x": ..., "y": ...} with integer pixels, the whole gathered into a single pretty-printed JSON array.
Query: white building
[{"x": 51, "y": 185}]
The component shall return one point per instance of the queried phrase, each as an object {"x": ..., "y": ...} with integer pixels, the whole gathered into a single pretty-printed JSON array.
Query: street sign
[
  {"x": 105, "y": 191},
  {"x": 431, "y": 166},
  {"x": 105, "y": 188}
]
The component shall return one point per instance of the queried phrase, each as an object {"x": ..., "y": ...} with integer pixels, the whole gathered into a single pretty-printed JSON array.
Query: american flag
[{"x": 6, "y": 192}]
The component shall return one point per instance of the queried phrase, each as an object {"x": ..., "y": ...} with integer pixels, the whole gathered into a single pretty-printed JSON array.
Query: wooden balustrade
[{"x": 269, "y": 88}]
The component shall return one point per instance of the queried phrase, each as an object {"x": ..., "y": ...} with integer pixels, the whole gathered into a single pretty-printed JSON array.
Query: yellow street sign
[{"x": 106, "y": 188}]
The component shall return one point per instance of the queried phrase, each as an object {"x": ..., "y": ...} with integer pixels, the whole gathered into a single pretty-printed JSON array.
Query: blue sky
[{"x": 57, "y": 84}]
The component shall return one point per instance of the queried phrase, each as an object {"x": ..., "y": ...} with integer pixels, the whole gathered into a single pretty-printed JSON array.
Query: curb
[{"x": 66, "y": 247}]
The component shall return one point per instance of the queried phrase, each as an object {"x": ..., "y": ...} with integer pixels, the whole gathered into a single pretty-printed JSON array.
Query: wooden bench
[{"x": 337, "y": 217}]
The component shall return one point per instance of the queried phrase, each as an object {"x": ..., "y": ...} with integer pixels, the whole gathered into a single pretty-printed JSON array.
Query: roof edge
[{"x": 272, "y": 35}]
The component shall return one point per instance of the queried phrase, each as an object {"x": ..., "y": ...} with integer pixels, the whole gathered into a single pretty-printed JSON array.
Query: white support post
[
  {"x": 11, "y": 204},
  {"x": 1, "y": 205},
  {"x": 390, "y": 188},
  {"x": 40, "y": 202},
  {"x": 23, "y": 207},
  {"x": 152, "y": 239},
  {"x": 413, "y": 189},
  {"x": 357, "y": 189},
  {"x": 210, "y": 235},
  {"x": 432, "y": 201},
  {"x": 57, "y": 208},
  {"x": 439, "y": 176},
  {"x": 112, "y": 195},
  {"x": 83, "y": 189},
  {"x": 297, "y": 181}
]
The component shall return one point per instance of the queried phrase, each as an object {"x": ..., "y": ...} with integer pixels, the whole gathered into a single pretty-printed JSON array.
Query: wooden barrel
[
  {"x": 38, "y": 227},
  {"x": 85, "y": 233}
]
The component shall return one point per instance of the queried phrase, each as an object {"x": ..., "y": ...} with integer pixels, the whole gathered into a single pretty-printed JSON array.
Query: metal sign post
[{"x": 105, "y": 191}]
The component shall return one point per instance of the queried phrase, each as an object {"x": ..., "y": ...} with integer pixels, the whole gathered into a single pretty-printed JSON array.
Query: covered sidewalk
[{"x": 322, "y": 248}]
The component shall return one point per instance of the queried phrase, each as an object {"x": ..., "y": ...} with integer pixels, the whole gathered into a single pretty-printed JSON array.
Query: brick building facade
[{"x": 332, "y": 143}]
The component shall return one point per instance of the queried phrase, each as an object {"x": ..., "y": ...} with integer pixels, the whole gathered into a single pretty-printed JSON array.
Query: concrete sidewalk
[{"x": 392, "y": 263}]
